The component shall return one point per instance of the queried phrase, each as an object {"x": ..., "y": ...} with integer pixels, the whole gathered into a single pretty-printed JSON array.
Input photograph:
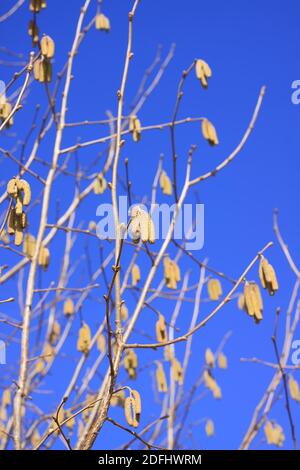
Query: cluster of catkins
[
  {"x": 35, "y": 6},
  {"x": 20, "y": 192},
  {"x": 42, "y": 68}
]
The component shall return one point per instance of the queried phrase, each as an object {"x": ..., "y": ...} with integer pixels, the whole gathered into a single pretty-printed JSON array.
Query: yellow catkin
[
  {"x": 268, "y": 276},
  {"x": 209, "y": 428},
  {"x": 11, "y": 223},
  {"x": 177, "y": 372},
  {"x": 131, "y": 363},
  {"x": 142, "y": 226},
  {"x": 84, "y": 339},
  {"x": 171, "y": 273},
  {"x": 129, "y": 410},
  {"x": 253, "y": 301},
  {"x": 168, "y": 353},
  {"x": 47, "y": 47},
  {"x": 4, "y": 237},
  {"x": 212, "y": 385},
  {"x": 274, "y": 434},
  {"x": 102, "y": 22},
  {"x": 100, "y": 184},
  {"x": 209, "y": 357},
  {"x": 48, "y": 352},
  {"x": 101, "y": 343},
  {"x": 161, "y": 378},
  {"x": 209, "y": 132},
  {"x": 241, "y": 302},
  {"x": 165, "y": 183},
  {"x": 214, "y": 289},
  {"x": 6, "y": 397},
  {"x": 222, "y": 361},
  {"x": 55, "y": 333},
  {"x": 135, "y": 275},
  {"x": 135, "y": 128},
  {"x": 203, "y": 72},
  {"x": 294, "y": 389},
  {"x": 5, "y": 111},
  {"x": 44, "y": 257},
  {"x": 18, "y": 231},
  {"x": 69, "y": 307},
  {"x": 137, "y": 408},
  {"x": 161, "y": 330}
]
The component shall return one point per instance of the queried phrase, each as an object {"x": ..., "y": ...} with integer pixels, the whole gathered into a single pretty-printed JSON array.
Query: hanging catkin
[
  {"x": 135, "y": 275},
  {"x": 133, "y": 408},
  {"x": 203, "y": 72},
  {"x": 100, "y": 184},
  {"x": 171, "y": 273},
  {"x": 222, "y": 361},
  {"x": 212, "y": 385},
  {"x": 44, "y": 257},
  {"x": 177, "y": 372},
  {"x": 274, "y": 433},
  {"x": 253, "y": 301},
  {"x": 294, "y": 389},
  {"x": 165, "y": 183},
  {"x": 47, "y": 47},
  {"x": 84, "y": 339},
  {"x": 267, "y": 276},
  {"x": 214, "y": 289},
  {"x": 101, "y": 343},
  {"x": 209, "y": 428},
  {"x": 161, "y": 378},
  {"x": 29, "y": 245},
  {"x": 102, "y": 22},
  {"x": 135, "y": 128},
  {"x": 141, "y": 226},
  {"x": 55, "y": 333},
  {"x": 130, "y": 363},
  {"x": 209, "y": 358},
  {"x": 209, "y": 132},
  {"x": 161, "y": 329},
  {"x": 69, "y": 307}
]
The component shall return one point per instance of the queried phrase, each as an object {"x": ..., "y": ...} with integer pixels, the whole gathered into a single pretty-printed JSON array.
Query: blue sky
[{"x": 247, "y": 44}]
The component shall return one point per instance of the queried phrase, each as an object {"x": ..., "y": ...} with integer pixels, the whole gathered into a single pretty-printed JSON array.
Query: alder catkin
[
  {"x": 47, "y": 47},
  {"x": 177, "y": 372},
  {"x": 267, "y": 276},
  {"x": 253, "y": 301},
  {"x": 100, "y": 184},
  {"x": 69, "y": 307},
  {"x": 165, "y": 183},
  {"x": 222, "y": 361},
  {"x": 44, "y": 257},
  {"x": 55, "y": 333},
  {"x": 209, "y": 428},
  {"x": 161, "y": 378},
  {"x": 135, "y": 128},
  {"x": 203, "y": 72},
  {"x": 214, "y": 289},
  {"x": 101, "y": 343},
  {"x": 294, "y": 389},
  {"x": 209, "y": 358},
  {"x": 209, "y": 132},
  {"x": 135, "y": 275},
  {"x": 102, "y": 22},
  {"x": 161, "y": 329},
  {"x": 84, "y": 339}
]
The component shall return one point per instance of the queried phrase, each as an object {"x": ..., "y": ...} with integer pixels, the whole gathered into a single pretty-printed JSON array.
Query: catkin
[
  {"x": 209, "y": 428},
  {"x": 44, "y": 257},
  {"x": 47, "y": 47},
  {"x": 135, "y": 275},
  {"x": 274, "y": 434},
  {"x": 84, "y": 339},
  {"x": 222, "y": 361},
  {"x": 214, "y": 289},
  {"x": 177, "y": 373},
  {"x": 69, "y": 307},
  {"x": 11, "y": 223},
  {"x": 33, "y": 32},
  {"x": 212, "y": 385},
  {"x": 253, "y": 301},
  {"x": 133, "y": 408},
  {"x": 171, "y": 273},
  {"x": 165, "y": 183},
  {"x": 129, "y": 410},
  {"x": 209, "y": 358},
  {"x": 141, "y": 226},
  {"x": 203, "y": 72},
  {"x": 100, "y": 184},
  {"x": 5, "y": 110},
  {"x": 131, "y": 363},
  {"x": 209, "y": 132},
  {"x": 267, "y": 276},
  {"x": 161, "y": 378},
  {"x": 161, "y": 329},
  {"x": 102, "y": 22},
  {"x": 35, "y": 5},
  {"x": 55, "y": 333},
  {"x": 6, "y": 397},
  {"x": 135, "y": 128},
  {"x": 294, "y": 389}
]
